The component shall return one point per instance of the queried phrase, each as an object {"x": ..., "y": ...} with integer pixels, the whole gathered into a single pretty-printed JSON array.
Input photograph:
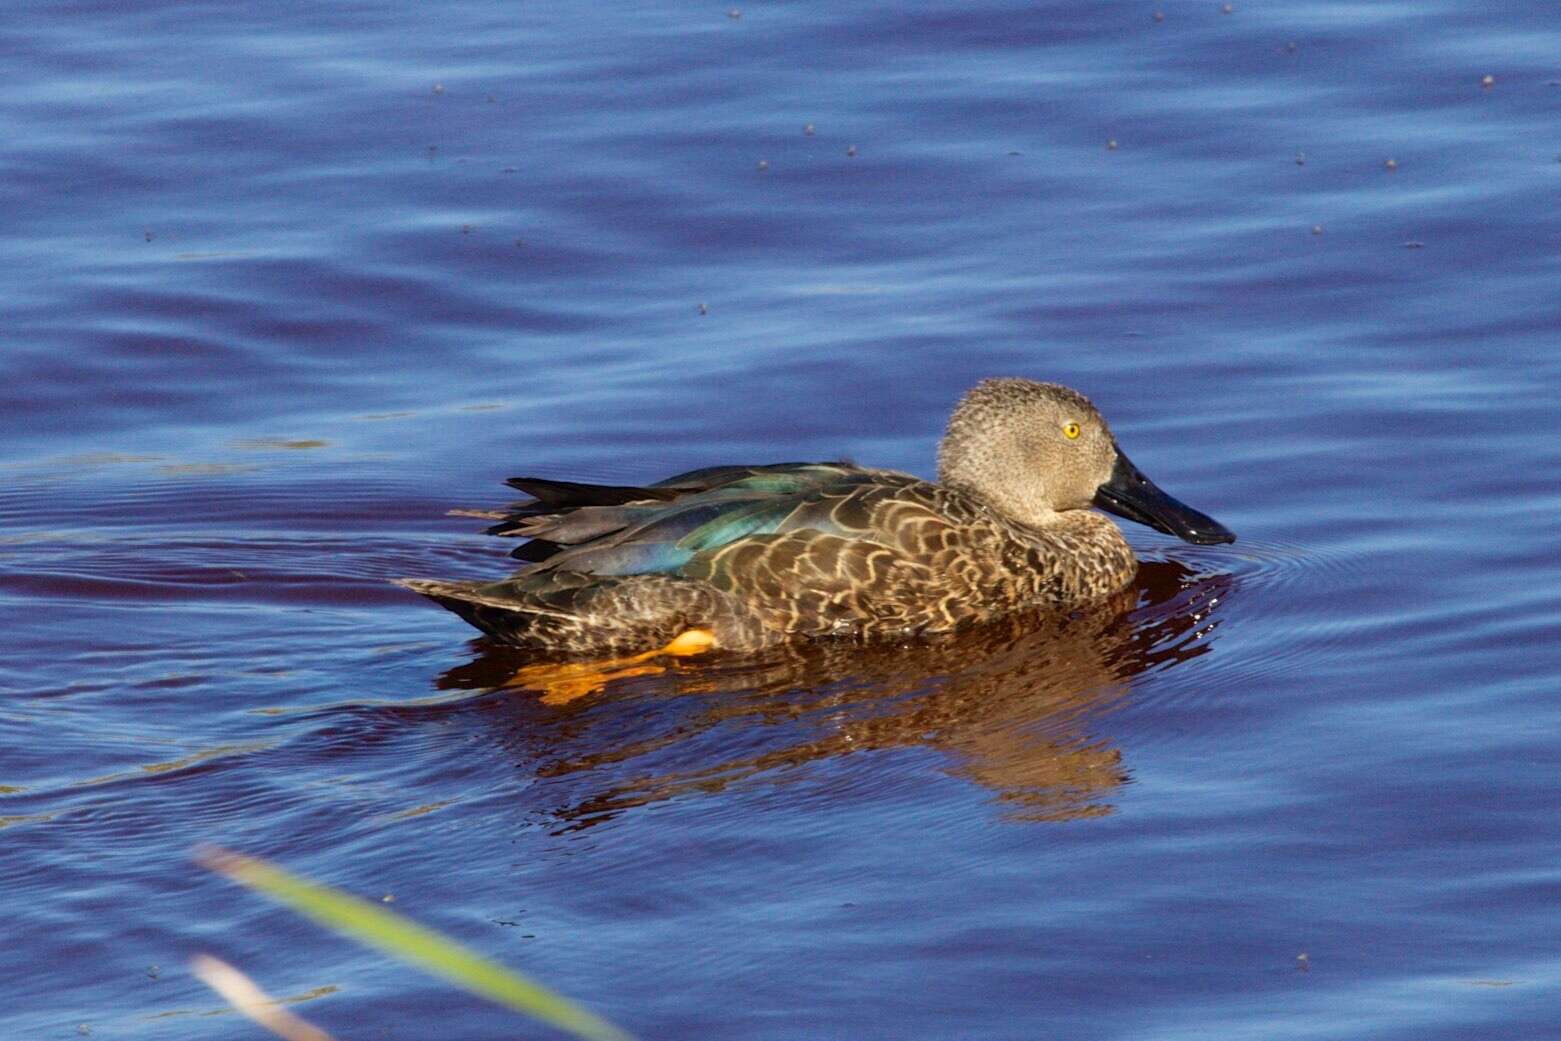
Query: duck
[{"x": 741, "y": 558}]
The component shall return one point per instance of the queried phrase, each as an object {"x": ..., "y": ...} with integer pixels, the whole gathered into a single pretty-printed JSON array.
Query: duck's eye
[{"x": 1070, "y": 431}]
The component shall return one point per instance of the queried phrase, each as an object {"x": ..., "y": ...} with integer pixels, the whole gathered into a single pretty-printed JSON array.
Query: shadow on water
[{"x": 1007, "y": 705}]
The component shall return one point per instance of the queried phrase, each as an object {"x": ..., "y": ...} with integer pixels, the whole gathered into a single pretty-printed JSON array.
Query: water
[{"x": 285, "y": 284}]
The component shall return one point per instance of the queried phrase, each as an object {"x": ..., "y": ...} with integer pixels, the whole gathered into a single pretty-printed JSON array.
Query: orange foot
[{"x": 562, "y": 683}]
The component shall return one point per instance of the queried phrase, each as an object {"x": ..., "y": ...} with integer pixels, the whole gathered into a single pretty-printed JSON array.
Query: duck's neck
[
  {"x": 1024, "y": 504},
  {"x": 1093, "y": 555},
  {"x": 1080, "y": 554},
  {"x": 1074, "y": 526}
]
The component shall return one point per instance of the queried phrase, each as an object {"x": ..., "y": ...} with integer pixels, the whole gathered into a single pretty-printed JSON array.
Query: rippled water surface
[{"x": 285, "y": 283}]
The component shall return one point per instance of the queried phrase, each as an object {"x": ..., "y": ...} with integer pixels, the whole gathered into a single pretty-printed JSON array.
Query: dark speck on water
[{"x": 251, "y": 371}]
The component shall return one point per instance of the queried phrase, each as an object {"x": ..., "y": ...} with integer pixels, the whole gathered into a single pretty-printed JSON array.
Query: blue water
[{"x": 284, "y": 284}]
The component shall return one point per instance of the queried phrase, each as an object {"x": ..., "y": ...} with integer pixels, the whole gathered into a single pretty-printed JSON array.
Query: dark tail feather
[
  {"x": 563, "y": 495},
  {"x": 507, "y": 623},
  {"x": 556, "y": 500},
  {"x": 452, "y": 596},
  {"x": 535, "y": 551},
  {"x": 568, "y": 512},
  {"x": 520, "y": 518}
]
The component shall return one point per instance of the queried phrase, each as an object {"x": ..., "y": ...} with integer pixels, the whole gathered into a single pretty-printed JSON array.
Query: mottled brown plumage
[{"x": 757, "y": 555}]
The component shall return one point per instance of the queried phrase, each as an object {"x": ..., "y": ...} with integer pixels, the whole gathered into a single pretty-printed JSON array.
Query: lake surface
[{"x": 284, "y": 284}]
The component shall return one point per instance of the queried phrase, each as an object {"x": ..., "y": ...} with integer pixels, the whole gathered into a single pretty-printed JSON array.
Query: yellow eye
[{"x": 1070, "y": 431}]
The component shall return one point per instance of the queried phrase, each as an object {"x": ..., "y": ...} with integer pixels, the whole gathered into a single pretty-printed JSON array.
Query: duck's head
[{"x": 1036, "y": 450}]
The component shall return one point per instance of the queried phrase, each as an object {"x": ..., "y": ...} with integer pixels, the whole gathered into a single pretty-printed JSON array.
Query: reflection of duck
[
  {"x": 744, "y": 557},
  {"x": 1007, "y": 702}
]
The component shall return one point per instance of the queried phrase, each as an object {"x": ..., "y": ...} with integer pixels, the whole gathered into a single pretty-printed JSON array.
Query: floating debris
[
  {"x": 1111, "y": 145},
  {"x": 1414, "y": 244},
  {"x": 467, "y": 229},
  {"x": 851, "y": 152},
  {"x": 703, "y": 309},
  {"x": 1159, "y": 16},
  {"x": 438, "y": 88},
  {"x": 764, "y": 164},
  {"x": 1487, "y": 81},
  {"x": 1390, "y": 165},
  {"x": 1227, "y": 8},
  {"x": 1303, "y": 962},
  {"x": 808, "y": 130},
  {"x": 1300, "y": 159},
  {"x": 734, "y": 14},
  {"x": 1317, "y": 229},
  {"x": 148, "y": 234}
]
